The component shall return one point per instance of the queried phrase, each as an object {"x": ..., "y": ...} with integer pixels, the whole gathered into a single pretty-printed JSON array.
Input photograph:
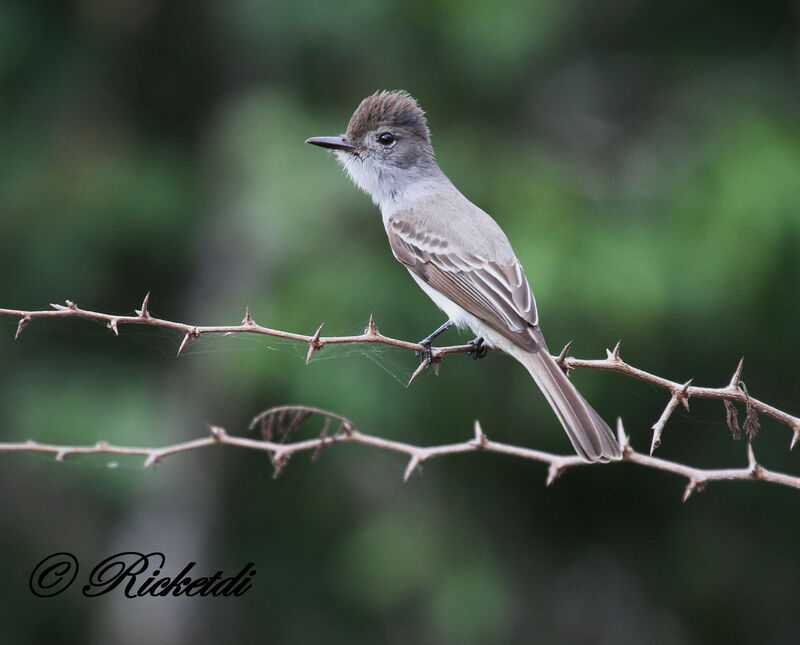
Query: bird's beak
[{"x": 335, "y": 143}]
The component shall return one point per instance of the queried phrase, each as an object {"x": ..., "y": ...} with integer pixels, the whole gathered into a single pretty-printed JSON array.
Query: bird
[{"x": 457, "y": 254}]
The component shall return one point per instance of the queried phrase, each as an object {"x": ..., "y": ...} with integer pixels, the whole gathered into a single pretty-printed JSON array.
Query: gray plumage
[
  {"x": 457, "y": 253},
  {"x": 391, "y": 109},
  {"x": 467, "y": 258}
]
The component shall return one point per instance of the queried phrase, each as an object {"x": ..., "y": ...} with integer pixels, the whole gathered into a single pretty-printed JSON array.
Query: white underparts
[{"x": 465, "y": 320}]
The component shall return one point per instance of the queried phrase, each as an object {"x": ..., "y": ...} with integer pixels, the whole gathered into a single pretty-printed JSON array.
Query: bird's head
[{"x": 387, "y": 146}]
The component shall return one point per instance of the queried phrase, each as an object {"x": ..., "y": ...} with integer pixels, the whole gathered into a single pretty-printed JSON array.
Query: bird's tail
[{"x": 589, "y": 434}]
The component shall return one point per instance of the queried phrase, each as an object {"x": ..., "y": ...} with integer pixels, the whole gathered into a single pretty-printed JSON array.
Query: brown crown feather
[{"x": 391, "y": 110}]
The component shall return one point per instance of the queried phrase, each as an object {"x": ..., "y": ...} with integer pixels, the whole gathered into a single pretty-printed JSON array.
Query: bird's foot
[
  {"x": 478, "y": 350},
  {"x": 427, "y": 352}
]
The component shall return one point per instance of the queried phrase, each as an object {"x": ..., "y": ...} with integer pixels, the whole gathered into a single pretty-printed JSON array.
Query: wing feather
[{"x": 497, "y": 293}]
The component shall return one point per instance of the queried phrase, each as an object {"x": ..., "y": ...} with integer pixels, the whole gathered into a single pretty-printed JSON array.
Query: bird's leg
[
  {"x": 478, "y": 350},
  {"x": 426, "y": 342}
]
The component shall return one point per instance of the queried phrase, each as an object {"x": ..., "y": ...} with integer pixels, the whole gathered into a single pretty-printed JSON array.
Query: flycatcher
[{"x": 457, "y": 253}]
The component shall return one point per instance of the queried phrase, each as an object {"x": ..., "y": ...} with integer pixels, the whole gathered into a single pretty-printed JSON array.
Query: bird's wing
[{"x": 495, "y": 291}]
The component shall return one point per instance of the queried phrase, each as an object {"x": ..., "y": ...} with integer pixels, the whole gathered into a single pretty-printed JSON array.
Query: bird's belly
[
  {"x": 460, "y": 316},
  {"x": 463, "y": 319}
]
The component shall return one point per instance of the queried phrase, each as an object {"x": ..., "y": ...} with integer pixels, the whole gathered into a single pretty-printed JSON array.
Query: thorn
[
  {"x": 480, "y": 437},
  {"x": 190, "y": 335},
  {"x": 372, "y": 329},
  {"x": 23, "y": 323},
  {"x": 71, "y": 305},
  {"x": 614, "y": 355},
  {"x": 754, "y": 467},
  {"x": 217, "y": 433},
  {"x": 101, "y": 445},
  {"x": 144, "y": 312},
  {"x": 553, "y": 473},
  {"x": 561, "y": 361},
  {"x": 61, "y": 455},
  {"x": 247, "y": 321},
  {"x": 112, "y": 325},
  {"x": 655, "y": 444},
  {"x": 413, "y": 463},
  {"x": 59, "y": 307},
  {"x": 152, "y": 460},
  {"x": 314, "y": 345},
  {"x": 684, "y": 394},
  {"x": 279, "y": 460},
  {"x": 795, "y": 437},
  {"x": 737, "y": 376},
  {"x": 622, "y": 439},
  {"x": 690, "y": 488},
  {"x": 417, "y": 372},
  {"x": 751, "y": 457}
]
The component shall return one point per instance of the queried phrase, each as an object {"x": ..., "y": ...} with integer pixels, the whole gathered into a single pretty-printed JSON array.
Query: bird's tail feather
[{"x": 589, "y": 434}]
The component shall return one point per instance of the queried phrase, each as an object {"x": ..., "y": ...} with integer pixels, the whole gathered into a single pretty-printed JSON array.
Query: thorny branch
[
  {"x": 284, "y": 420},
  {"x": 680, "y": 393}
]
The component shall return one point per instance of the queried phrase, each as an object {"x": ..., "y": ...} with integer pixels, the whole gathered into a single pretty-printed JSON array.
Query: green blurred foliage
[{"x": 644, "y": 159}]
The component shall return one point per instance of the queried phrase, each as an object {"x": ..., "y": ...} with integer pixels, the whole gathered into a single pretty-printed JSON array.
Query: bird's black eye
[{"x": 386, "y": 138}]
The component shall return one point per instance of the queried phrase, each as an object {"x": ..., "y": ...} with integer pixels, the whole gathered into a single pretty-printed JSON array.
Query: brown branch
[
  {"x": 734, "y": 392},
  {"x": 285, "y": 418}
]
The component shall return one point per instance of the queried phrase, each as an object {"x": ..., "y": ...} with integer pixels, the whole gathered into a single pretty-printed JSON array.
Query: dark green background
[{"x": 644, "y": 159}]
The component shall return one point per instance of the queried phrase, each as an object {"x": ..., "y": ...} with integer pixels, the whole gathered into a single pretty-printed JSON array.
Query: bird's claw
[
  {"x": 478, "y": 350},
  {"x": 426, "y": 362},
  {"x": 426, "y": 353}
]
